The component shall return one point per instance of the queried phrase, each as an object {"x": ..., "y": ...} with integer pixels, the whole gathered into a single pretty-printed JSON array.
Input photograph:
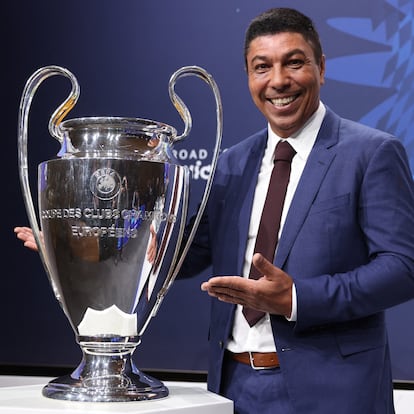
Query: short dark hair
[{"x": 279, "y": 20}]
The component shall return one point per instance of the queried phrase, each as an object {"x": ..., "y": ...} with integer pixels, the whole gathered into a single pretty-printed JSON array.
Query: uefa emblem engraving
[{"x": 105, "y": 183}]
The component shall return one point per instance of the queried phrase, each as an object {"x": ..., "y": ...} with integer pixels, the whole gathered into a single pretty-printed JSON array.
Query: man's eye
[
  {"x": 295, "y": 63},
  {"x": 262, "y": 67}
]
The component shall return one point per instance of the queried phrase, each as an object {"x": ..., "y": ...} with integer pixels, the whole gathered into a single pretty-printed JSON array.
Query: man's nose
[{"x": 279, "y": 77}]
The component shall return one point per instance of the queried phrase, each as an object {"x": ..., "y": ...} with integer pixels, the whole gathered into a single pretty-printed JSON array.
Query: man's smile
[{"x": 280, "y": 102}]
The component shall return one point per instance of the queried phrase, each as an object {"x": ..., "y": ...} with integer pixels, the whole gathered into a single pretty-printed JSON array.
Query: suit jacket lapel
[
  {"x": 251, "y": 172},
  {"x": 313, "y": 174}
]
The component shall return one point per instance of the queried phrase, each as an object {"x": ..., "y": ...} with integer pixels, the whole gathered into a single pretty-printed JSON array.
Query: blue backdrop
[{"x": 123, "y": 54}]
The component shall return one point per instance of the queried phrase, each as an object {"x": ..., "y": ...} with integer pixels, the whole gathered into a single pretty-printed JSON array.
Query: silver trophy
[{"x": 112, "y": 211}]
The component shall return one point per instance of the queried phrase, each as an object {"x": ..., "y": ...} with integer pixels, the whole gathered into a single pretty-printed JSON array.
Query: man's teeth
[{"x": 283, "y": 101}]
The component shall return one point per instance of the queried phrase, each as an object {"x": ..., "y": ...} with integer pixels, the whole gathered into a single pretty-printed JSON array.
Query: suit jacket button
[{"x": 221, "y": 344}]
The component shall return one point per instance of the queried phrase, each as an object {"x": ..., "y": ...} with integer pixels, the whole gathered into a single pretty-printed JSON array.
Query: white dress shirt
[{"x": 259, "y": 338}]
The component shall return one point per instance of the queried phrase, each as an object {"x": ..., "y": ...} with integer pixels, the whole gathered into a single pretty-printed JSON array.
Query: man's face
[{"x": 284, "y": 80}]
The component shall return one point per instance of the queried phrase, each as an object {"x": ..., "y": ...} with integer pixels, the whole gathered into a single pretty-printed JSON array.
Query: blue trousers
[{"x": 254, "y": 391}]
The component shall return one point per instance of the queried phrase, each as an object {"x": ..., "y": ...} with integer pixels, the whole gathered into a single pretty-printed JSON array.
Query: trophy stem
[{"x": 106, "y": 374}]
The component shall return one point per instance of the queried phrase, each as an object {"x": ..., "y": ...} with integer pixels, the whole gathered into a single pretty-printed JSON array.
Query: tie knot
[{"x": 284, "y": 152}]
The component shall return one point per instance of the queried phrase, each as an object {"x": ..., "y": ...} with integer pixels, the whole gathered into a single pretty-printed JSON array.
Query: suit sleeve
[
  {"x": 198, "y": 257},
  {"x": 385, "y": 215}
]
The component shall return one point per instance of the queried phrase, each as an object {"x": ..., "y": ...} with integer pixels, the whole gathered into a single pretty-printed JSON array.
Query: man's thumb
[{"x": 262, "y": 264}]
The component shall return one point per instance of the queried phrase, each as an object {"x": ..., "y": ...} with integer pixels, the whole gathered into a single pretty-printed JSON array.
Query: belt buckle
[{"x": 253, "y": 365}]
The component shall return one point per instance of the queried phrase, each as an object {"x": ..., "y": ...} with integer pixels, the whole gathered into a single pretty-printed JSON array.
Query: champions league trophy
[{"x": 112, "y": 210}]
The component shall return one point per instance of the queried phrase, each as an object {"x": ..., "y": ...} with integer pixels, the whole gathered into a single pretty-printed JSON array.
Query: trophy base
[
  {"x": 139, "y": 388},
  {"x": 104, "y": 376}
]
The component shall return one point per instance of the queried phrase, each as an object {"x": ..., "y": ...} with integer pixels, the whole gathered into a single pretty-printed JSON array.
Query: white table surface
[
  {"x": 24, "y": 395},
  {"x": 404, "y": 401}
]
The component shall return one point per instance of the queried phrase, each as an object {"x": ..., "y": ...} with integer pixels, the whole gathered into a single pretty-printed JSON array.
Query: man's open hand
[{"x": 271, "y": 293}]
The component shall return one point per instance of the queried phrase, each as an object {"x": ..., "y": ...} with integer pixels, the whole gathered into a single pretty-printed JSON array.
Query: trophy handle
[
  {"x": 28, "y": 93},
  {"x": 185, "y": 115}
]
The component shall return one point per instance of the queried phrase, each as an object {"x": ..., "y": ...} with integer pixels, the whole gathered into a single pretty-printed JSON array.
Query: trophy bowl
[{"x": 112, "y": 209}]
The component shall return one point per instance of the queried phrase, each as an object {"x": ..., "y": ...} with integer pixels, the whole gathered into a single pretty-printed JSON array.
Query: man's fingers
[
  {"x": 26, "y": 235},
  {"x": 232, "y": 286},
  {"x": 225, "y": 289},
  {"x": 30, "y": 245},
  {"x": 225, "y": 282}
]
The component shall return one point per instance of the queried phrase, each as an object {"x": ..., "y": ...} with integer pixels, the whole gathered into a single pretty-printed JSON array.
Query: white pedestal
[
  {"x": 404, "y": 401},
  {"x": 24, "y": 395}
]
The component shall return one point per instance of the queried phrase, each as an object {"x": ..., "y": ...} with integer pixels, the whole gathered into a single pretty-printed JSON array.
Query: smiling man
[
  {"x": 285, "y": 74},
  {"x": 343, "y": 251}
]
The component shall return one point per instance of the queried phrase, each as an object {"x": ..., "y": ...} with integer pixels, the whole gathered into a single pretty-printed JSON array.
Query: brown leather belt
[{"x": 257, "y": 360}]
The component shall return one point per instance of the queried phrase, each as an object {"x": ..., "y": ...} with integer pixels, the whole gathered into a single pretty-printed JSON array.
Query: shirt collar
[{"x": 303, "y": 140}]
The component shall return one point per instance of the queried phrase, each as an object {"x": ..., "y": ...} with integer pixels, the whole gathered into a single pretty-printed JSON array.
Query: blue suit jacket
[{"x": 348, "y": 243}]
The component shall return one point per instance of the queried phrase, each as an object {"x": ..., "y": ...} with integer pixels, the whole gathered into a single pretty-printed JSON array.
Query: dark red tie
[{"x": 267, "y": 235}]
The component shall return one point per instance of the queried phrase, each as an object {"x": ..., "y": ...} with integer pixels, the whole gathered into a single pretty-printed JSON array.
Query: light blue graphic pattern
[{"x": 390, "y": 66}]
